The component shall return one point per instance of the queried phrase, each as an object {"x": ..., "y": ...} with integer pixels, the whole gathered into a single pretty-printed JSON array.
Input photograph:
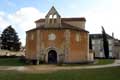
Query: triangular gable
[
  {"x": 52, "y": 19},
  {"x": 52, "y": 11}
]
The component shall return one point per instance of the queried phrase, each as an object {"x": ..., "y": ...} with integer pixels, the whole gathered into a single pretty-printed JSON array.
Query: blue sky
[{"x": 21, "y": 14}]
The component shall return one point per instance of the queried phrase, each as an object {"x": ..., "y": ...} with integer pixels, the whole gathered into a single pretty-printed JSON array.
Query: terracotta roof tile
[
  {"x": 63, "y": 26},
  {"x": 66, "y": 19}
]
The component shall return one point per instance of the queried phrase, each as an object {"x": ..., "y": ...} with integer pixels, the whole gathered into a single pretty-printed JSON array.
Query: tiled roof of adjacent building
[
  {"x": 116, "y": 42},
  {"x": 99, "y": 36}
]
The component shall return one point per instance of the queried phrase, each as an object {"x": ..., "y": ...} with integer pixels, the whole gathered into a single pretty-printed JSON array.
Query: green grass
[
  {"x": 11, "y": 62},
  {"x": 104, "y": 61},
  {"x": 112, "y": 73},
  {"x": 97, "y": 62},
  {"x": 17, "y": 62}
]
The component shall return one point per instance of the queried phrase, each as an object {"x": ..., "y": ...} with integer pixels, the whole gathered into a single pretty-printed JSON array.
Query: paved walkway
[{"x": 51, "y": 68}]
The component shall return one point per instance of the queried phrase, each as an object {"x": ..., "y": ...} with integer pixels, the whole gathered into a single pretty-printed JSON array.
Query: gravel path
[{"x": 51, "y": 68}]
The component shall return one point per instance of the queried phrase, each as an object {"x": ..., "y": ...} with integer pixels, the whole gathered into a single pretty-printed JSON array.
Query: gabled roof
[
  {"x": 99, "y": 36},
  {"x": 63, "y": 26},
  {"x": 62, "y": 22},
  {"x": 52, "y": 11}
]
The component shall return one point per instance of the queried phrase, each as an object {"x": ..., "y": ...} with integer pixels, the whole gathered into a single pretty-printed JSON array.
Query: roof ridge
[{"x": 66, "y": 19}]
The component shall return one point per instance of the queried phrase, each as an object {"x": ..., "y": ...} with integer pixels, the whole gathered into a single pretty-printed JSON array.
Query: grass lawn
[
  {"x": 104, "y": 61},
  {"x": 112, "y": 73},
  {"x": 11, "y": 62},
  {"x": 97, "y": 62},
  {"x": 17, "y": 62}
]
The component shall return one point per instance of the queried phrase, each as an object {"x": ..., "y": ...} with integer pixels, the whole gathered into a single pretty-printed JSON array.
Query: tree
[
  {"x": 90, "y": 43},
  {"x": 105, "y": 43},
  {"x": 10, "y": 40}
]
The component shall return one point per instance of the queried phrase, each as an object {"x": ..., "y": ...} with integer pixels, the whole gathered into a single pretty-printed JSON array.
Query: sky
[{"x": 21, "y": 14}]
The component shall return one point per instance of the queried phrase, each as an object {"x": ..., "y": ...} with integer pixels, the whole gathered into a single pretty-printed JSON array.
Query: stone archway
[{"x": 52, "y": 57}]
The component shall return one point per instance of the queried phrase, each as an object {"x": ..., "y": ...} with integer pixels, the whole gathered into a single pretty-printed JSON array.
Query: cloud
[
  {"x": 25, "y": 17},
  {"x": 22, "y": 20},
  {"x": 116, "y": 17},
  {"x": 96, "y": 19},
  {"x": 101, "y": 16}
]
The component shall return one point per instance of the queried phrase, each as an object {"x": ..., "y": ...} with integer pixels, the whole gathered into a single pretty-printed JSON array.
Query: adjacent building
[
  {"x": 57, "y": 39},
  {"x": 0, "y": 42},
  {"x": 117, "y": 48},
  {"x": 97, "y": 45}
]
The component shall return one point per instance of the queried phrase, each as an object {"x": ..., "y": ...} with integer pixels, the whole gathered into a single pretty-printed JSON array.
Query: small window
[
  {"x": 55, "y": 20},
  {"x": 50, "y": 21},
  {"x": 93, "y": 41},
  {"x": 110, "y": 54},
  {"x": 98, "y": 42},
  {"x": 110, "y": 41},
  {"x": 77, "y": 37},
  {"x": 110, "y": 48}
]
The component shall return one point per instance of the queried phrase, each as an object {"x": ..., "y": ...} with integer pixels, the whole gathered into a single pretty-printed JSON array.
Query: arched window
[
  {"x": 50, "y": 18},
  {"x": 55, "y": 18}
]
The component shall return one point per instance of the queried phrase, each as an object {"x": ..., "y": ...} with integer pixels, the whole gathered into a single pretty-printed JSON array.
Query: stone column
[
  {"x": 67, "y": 44},
  {"x": 38, "y": 46},
  {"x": 41, "y": 49},
  {"x": 88, "y": 55}
]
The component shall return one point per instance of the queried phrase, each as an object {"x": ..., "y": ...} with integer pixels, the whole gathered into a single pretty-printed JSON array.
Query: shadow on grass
[{"x": 11, "y": 61}]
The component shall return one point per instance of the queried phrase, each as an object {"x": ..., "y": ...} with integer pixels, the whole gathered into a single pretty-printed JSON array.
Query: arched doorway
[{"x": 52, "y": 57}]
